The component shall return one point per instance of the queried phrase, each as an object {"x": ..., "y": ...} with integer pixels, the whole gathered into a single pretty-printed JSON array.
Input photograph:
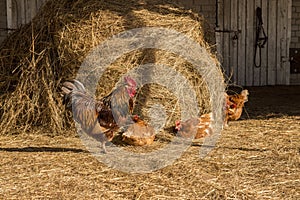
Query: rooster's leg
[{"x": 103, "y": 147}]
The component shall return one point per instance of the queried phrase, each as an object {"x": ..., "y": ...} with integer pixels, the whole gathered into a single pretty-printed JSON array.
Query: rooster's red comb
[{"x": 130, "y": 81}]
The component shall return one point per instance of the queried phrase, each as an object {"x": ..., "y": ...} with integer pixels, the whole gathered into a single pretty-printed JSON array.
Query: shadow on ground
[
  {"x": 43, "y": 149},
  {"x": 272, "y": 102}
]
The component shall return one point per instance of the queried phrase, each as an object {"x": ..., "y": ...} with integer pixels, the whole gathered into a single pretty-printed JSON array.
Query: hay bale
[{"x": 38, "y": 57}]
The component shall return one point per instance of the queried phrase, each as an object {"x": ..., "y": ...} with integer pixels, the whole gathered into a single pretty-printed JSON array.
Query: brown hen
[
  {"x": 234, "y": 106},
  {"x": 195, "y": 128},
  {"x": 139, "y": 133}
]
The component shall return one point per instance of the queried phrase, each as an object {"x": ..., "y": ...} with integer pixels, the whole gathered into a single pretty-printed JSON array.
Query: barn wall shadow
[{"x": 271, "y": 102}]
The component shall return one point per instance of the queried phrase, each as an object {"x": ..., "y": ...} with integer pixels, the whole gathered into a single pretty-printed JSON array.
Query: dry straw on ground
[
  {"x": 38, "y": 57},
  {"x": 257, "y": 157}
]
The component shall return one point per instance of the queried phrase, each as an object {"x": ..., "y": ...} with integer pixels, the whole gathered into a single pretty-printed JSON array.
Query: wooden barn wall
[
  {"x": 21, "y": 11},
  {"x": 236, "y": 47},
  {"x": 3, "y": 21},
  {"x": 295, "y": 44},
  {"x": 295, "y": 37},
  {"x": 236, "y": 55}
]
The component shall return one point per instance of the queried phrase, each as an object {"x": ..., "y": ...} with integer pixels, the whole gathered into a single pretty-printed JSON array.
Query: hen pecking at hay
[
  {"x": 139, "y": 133},
  {"x": 195, "y": 128}
]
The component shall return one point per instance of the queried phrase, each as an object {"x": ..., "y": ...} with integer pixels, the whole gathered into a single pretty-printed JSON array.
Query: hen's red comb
[
  {"x": 136, "y": 117},
  {"x": 233, "y": 105}
]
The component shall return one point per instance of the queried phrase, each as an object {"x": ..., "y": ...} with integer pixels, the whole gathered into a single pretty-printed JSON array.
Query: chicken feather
[{"x": 99, "y": 118}]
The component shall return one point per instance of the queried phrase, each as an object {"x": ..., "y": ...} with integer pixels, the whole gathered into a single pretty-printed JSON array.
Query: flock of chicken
[
  {"x": 100, "y": 119},
  {"x": 201, "y": 127}
]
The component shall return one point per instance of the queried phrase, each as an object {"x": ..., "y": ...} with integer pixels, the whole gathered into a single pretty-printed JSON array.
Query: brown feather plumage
[
  {"x": 98, "y": 118},
  {"x": 235, "y": 105},
  {"x": 139, "y": 133},
  {"x": 195, "y": 128}
]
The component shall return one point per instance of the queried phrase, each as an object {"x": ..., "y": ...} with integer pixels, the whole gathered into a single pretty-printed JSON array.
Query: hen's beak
[{"x": 177, "y": 125}]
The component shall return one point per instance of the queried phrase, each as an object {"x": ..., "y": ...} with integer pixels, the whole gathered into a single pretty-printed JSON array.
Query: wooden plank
[
  {"x": 272, "y": 34},
  {"x": 27, "y": 11},
  {"x": 288, "y": 36},
  {"x": 33, "y": 9},
  {"x": 15, "y": 15},
  {"x": 226, "y": 36},
  {"x": 9, "y": 12},
  {"x": 250, "y": 32},
  {"x": 39, "y": 4},
  {"x": 264, "y": 53},
  {"x": 233, "y": 42},
  {"x": 21, "y": 12},
  {"x": 256, "y": 70},
  {"x": 281, "y": 41},
  {"x": 219, "y": 42},
  {"x": 219, "y": 35},
  {"x": 241, "y": 71}
]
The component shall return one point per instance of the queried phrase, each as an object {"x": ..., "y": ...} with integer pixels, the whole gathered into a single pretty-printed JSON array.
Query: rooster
[
  {"x": 234, "y": 105},
  {"x": 120, "y": 102},
  {"x": 195, "y": 128},
  {"x": 100, "y": 118}
]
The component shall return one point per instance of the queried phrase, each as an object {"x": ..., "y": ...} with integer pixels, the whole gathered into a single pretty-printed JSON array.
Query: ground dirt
[{"x": 256, "y": 157}]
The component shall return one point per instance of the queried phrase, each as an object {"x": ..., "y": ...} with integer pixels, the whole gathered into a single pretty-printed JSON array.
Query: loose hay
[
  {"x": 38, "y": 57},
  {"x": 254, "y": 159},
  {"x": 257, "y": 158}
]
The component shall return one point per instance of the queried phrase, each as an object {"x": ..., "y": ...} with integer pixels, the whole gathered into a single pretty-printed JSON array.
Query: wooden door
[{"x": 236, "y": 41}]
